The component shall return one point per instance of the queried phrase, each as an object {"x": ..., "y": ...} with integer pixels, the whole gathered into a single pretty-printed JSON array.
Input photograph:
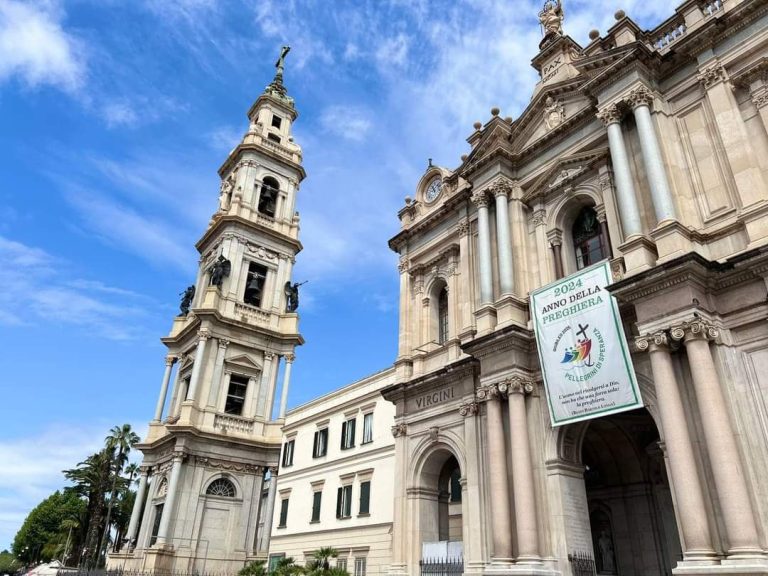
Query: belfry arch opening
[{"x": 631, "y": 519}]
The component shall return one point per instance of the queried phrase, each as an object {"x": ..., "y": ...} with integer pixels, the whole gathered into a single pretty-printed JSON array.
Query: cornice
[
  {"x": 229, "y": 220},
  {"x": 448, "y": 374},
  {"x": 236, "y": 154},
  {"x": 506, "y": 338}
]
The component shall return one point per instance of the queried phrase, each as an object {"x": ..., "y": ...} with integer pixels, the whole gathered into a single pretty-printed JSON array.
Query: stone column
[
  {"x": 522, "y": 472},
  {"x": 403, "y": 339},
  {"x": 169, "y": 361},
  {"x": 194, "y": 380},
  {"x": 556, "y": 244},
  {"x": 218, "y": 366},
  {"x": 289, "y": 358},
  {"x": 604, "y": 232},
  {"x": 472, "y": 510},
  {"x": 133, "y": 525},
  {"x": 684, "y": 476},
  {"x": 272, "y": 388},
  {"x": 760, "y": 100},
  {"x": 176, "y": 396},
  {"x": 484, "y": 248},
  {"x": 723, "y": 452},
  {"x": 501, "y": 190},
  {"x": 625, "y": 188},
  {"x": 266, "y": 376},
  {"x": 497, "y": 468},
  {"x": 663, "y": 203},
  {"x": 539, "y": 219},
  {"x": 519, "y": 239},
  {"x": 270, "y": 511},
  {"x": 170, "y": 499}
]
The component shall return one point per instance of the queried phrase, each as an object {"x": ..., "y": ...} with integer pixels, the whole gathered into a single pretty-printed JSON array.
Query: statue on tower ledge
[
  {"x": 551, "y": 18},
  {"x": 186, "y": 299},
  {"x": 219, "y": 270}
]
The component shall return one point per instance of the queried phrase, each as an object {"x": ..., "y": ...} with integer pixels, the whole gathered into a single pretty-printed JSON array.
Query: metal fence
[
  {"x": 582, "y": 564},
  {"x": 442, "y": 567}
]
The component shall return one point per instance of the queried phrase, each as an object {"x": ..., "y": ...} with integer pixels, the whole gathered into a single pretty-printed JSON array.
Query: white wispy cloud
[
  {"x": 36, "y": 49},
  {"x": 350, "y": 122}
]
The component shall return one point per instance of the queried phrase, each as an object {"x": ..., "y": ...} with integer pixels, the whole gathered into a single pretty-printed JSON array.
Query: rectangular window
[
  {"x": 276, "y": 121},
  {"x": 236, "y": 394},
  {"x": 274, "y": 137},
  {"x": 348, "y": 434},
  {"x": 368, "y": 428},
  {"x": 156, "y": 523},
  {"x": 274, "y": 560},
  {"x": 317, "y": 499},
  {"x": 344, "y": 502},
  {"x": 187, "y": 380},
  {"x": 360, "y": 567},
  {"x": 365, "y": 497},
  {"x": 341, "y": 564},
  {"x": 320, "y": 446},
  {"x": 254, "y": 284},
  {"x": 288, "y": 453},
  {"x": 283, "y": 513}
]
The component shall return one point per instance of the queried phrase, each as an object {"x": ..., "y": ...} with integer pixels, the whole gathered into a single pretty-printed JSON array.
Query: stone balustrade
[{"x": 231, "y": 423}]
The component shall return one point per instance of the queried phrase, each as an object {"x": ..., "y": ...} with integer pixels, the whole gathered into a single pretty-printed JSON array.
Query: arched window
[
  {"x": 442, "y": 316},
  {"x": 588, "y": 242},
  {"x": 221, "y": 487},
  {"x": 268, "y": 198}
]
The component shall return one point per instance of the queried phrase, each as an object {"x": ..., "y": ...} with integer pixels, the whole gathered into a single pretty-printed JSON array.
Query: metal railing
[
  {"x": 442, "y": 566},
  {"x": 582, "y": 564}
]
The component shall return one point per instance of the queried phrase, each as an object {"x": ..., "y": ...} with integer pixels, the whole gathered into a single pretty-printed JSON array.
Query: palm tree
[
  {"x": 132, "y": 469},
  {"x": 119, "y": 443}
]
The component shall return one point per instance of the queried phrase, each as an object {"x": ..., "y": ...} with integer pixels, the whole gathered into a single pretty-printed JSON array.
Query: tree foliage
[
  {"x": 8, "y": 563},
  {"x": 40, "y": 538}
]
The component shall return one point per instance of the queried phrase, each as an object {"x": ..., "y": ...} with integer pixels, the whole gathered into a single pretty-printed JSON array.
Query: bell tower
[{"x": 207, "y": 488}]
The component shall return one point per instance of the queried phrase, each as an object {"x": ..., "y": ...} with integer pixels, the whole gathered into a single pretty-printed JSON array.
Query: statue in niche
[
  {"x": 607, "y": 558},
  {"x": 225, "y": 194},
  {"x": 186, "y": 299},
  {"x": 219, "y": 270},
  {"x": 554, "y": 113},
  {"x": 292, "y": 296},
  {"x": 551, "y": 17}
]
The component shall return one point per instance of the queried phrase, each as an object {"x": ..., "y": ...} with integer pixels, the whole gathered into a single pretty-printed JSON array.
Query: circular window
[
  {"x": 433, "y": 190},
  {"x": 221, "y": 487}
]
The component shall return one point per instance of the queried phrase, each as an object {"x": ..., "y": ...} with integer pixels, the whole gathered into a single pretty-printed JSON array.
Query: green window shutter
[
  {"x": 339, "y": 499},
  {"x": 347, "y": 501},
  {"x": 352, "y": 424},
  {"x": 283, "y": 512},
  {"x": 316, "y": 501},
  {"x": 314, "y": 445},
  {"x": 365, "y": 497},
  {"x": 343, "y": 435}
]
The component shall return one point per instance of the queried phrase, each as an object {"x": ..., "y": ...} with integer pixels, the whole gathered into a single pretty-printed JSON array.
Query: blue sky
[{"x": 115, "y": 115}]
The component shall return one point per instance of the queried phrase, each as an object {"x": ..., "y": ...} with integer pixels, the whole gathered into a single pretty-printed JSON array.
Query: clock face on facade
[{"x": 433, "y": 190}]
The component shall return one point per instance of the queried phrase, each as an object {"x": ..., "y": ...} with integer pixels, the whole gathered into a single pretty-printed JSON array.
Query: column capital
[
  {"x": 399, "y": 430},
  {"x": 273, "y": 471},
  {"x": 653, "y": 342},
  {"x": 289, "y": 358},
  {"x": 223, "y": 343},
  {"x": 203, "y": 334},
  {"x": 170, "y": 359},
  {"x": 640, "y": 96},
  {"x": 760, "y": 97},
  {"x": 402, "y": 265},
  {"x": 468, "y": 409},
  {"x": 539, "y": 217},
  {"x": 463, "y": 227},
  {"x": 489, "y": 392},
  {"x": 480, "y": 198},
  {"x": 515, "y": 385},
  {"x": 609, "y": 115},
  {"x": 501, "y": 187},
  {"x": 268, "y": 355},
  {"x": 555, "y": 237},
  {"x": 145, "y": 470},
  {"x": 695, "y": 330},
  {"x": 179, "y": 455},
  {"x": 712, "y": 75}
]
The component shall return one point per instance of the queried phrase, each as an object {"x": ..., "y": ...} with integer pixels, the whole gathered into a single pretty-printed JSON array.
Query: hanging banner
[{"x": 584, "y": 355}]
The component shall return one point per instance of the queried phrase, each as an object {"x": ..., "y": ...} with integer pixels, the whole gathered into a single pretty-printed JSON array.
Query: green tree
[
  {"x": 119, "y": 443},
  {"x": 41, "y": 536},
  {"x": 8, "y": 563},
  {"x": 320, "y": 565},
  {"x": 255, "y": 568},
  {"x": 287, "y": 567}
]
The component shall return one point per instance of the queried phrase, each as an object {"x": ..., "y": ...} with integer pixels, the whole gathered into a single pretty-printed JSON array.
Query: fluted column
[
  {"x": 218, "y": 367},
  {"x": 133, "y": 525},
  {"x": 404, "y": 334},
  {"x": 625, "y": 188},
  {"x": 501, "y": 190},
  {"x": 526, "y": 522},
  {"x": 663, "y": 204},
  {"x": 484, "y": 247},
  {"x": 170, "y": 499},
  {"x": 169, "y": 361},
  {"x": 719, "y": 436},
  {"x": 270, "y": 511},
  {"x": 289, "y": 358},
  {"x": 194, "y": 380},
  {"x": 497, "y": 467},
  {"x": 176, "y": 395},
  {"x": 689, "y": 496}
]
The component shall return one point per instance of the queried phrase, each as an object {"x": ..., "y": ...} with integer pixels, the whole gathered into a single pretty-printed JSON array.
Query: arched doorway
[
  {"x": 631, "y": 516},
  {"x": 440, "y": 507}
]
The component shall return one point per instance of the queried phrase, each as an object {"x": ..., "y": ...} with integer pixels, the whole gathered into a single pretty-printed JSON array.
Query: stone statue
[
  {"x": 225, "y": 195},
  {"x": 551, "y": 17},
  {"x": 554, "y": 113},
  {"x": 219, "y": 270},
  {"x": 608, "y": 562},
  {"x": 186, "y": 299},
  {"x": 292, "y": 296}
]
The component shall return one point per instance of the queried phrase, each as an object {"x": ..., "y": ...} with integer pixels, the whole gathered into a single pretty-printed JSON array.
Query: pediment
[
  {"x": 244, "y": 361},
  {"x": 565, "y": 172},
  {"x": 493, "y": 141}
]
